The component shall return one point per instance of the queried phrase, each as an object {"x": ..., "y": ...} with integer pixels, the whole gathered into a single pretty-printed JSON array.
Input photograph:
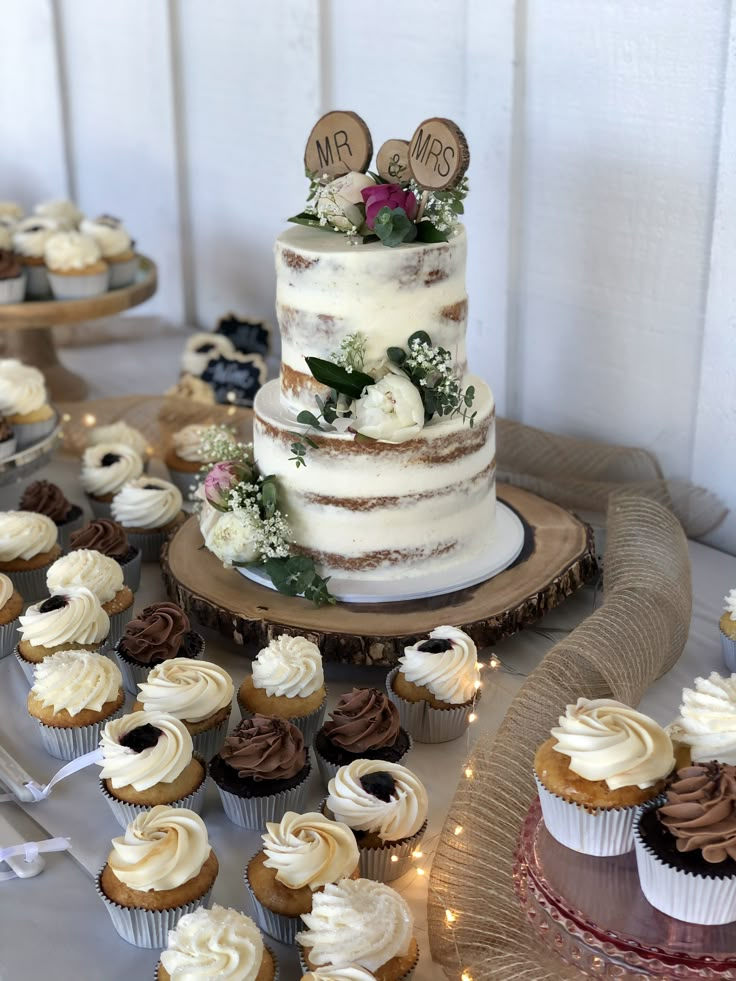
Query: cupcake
[
  {"x": 105, "y": 468},
  {"x": 12, "y": 274},
  {"x": 287, "y": 681},
  {"x": 364, "y": 725},
  {"x": 74, "y": 693},
  {"x": 65, "y": 621},
  {"x": 261, "y": 771},
  {"x": 7, "y": 439},
  {"x": 46, "y": 498},
  {"x": 339, "y": 972},
  {"x": 216, "y": 943},
  {"x": 727, "y": 626},
  {"x": 110, "y": 538},
  {"x": 364, "y": 923},
  {"x": 386, "y": 806},
  {"x": 149, "y": 509},
  {"x": 160, "y": 870},
  {"x": 186, "y": 457},
  {"x": 30, "y": 236},
  {"x": 706, "y": 727},
  {"x": 23, "y": 402},
  {"x": 116, "y": 247},
  {"x": 203, "y": 347},
  {"x": 192, "y": 389},
  {"x": 686, "y": 846},
  {"x": 75, "y": 266},
  {"x": 11, "y": 604},
  {"x": 158, "y": 633},
  {"x": 101, "y": 575},
  {"x": 301, "y": 854},
  {"x": 64, "y": 212},
  {"x": 28, "y": 547},
  {"x": 147, "y": 759},
  {"x": 120, "y": 432},
  {"x": 600, "y": 765},
  {"x": 197, "y": 692}
]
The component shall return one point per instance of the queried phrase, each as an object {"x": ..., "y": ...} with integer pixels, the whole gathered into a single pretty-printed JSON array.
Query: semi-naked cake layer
[
  {"x": 380, "y": 511},
  {"x": 328, "y": 288}
]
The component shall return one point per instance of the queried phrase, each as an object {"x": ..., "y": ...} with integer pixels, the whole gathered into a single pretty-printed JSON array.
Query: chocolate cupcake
[
  {"x": 12, "y": 278},
  {"x": 107, "y": 536},
  {"x": 7, "y": 439},
  {"x": 46, "y": 498},
  {"x": 261, "y": 771},
  {"x": 159, "y": 632},
  {"x": 364, "y": 725}
]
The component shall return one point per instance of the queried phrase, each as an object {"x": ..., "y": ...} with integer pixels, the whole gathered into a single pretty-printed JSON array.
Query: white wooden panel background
[{"x": 602, "y": 183}]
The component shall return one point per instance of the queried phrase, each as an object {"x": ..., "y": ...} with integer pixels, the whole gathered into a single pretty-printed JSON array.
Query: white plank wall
[{"x": 602, "y": 185}]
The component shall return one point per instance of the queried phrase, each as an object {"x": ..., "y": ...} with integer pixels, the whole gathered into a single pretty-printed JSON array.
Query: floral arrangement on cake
[
  {"x": 390, "y": 402},
  {"x": 242, "y": 523}
]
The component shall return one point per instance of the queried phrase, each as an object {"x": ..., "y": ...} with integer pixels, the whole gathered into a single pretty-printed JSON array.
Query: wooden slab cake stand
[
  {"x": 28, "y": 335},
  {"x": 558, "y": 557}
]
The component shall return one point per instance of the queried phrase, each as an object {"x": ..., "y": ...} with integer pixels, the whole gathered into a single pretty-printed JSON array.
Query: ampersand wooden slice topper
[
  {"x": 339, "y": 142},
  {"x": 392, "y": 161},
  {"x": 438, "y": 154}
]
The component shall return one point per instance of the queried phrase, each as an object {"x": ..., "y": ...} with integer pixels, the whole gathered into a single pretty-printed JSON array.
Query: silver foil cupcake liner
[
  {"x": 67, "y": 530},
  {"x": 37, "y": 282},
  {"x": 208, "y": 743},
  {"x": 254, "y": 812},
  {"x": 25, "y": 666},
  {"x": 68, "y": 744},
  {"x": 29, "y": 433},
  {"x": 185, "y": 481},
  {"x": 605, "y": 832},
  {"x": 276, "y": 925},
  {"x": 13, "y": 290},
  {"x": 308, "y": 725},
  {"x": 328, "y": 770},
  {"x": 728, "y": 646},
  {"x": 392, "y": 859},
  {"x": 9, "y": 637},
  {"x": 427, "y": 724},
  {"x": 8, "y": 447},
  {"x": 31, "y": 583},
  {"x": 79, "y": 287},
  {"x": 100, "y": 509},
  {"x": 306, "y": 968},
  {"x": 122, "y": 272},
  {"x": 147, "y": 927},
  {"x": 132, "y": 571},
  {"x": 134, "y": 674},
  {"x": 124, "y": 812},
  {"x": 149, "y": 542}
]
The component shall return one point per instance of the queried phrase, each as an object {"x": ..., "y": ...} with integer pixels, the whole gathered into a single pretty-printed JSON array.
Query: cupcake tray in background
[
  {"x": 32, "y": 458},
  {"x": 592, "y": 913}
]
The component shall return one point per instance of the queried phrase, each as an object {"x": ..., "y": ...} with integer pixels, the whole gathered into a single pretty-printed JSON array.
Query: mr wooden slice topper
[{"x": 339, "y": 142}]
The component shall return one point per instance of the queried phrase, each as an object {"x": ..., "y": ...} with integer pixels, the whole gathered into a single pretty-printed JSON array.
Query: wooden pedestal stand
[
  {"x": 28, "y": 335},
  {"x": 558, "y": 557}
]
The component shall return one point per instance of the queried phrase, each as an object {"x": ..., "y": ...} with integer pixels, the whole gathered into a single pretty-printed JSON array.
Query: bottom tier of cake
[{"x": 380, "y": 510}]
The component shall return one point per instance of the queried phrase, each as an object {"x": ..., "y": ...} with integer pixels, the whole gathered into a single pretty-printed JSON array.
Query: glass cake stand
[
  {"x": 592, "y": 913},
  {"x": 32, "y": 458}
]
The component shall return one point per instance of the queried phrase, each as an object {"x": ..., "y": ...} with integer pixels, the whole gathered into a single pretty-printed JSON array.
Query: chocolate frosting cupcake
[
  {"x": 10, "y": 266},
  {"x": 700, "y": 811},
  {"x": 103, "y": 535},
  {"x": 364, "y": 719},
  {"x": 46, "y": 498},
  {"x": 159, "y": 632},
  {"x": 265, "y": 748}
]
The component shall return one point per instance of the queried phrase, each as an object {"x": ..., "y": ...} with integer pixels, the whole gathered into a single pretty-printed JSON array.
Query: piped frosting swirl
[
  {"x": 24, "y": 534},
  {"x": 707, "y": 722},
  {"x": 102, "y": 535},
  {"x": 111, "y": 237},
  {"x": 380, "y": 797},
  {"x": 364, "y": 719},
  {"x": 289, "y": 667},
  {"x": 85, "y": 567},
  {"x": 187, "y": 443},
  {"x": 156, "y": 633},
  {"x": 160, "y": 762},
  {"x": 310, "y": 850},
  {"x": 214, "y": 943},
  {"x": 120, "y": 432},
  {"x": 107, "y": 466},
  {"x": 46, "y": 498},
  {"x": 76, "y": 680},
  {"x": 71, "y": 252},
  {"x": 6, "y": 589},
  {"x": 22, "y": 388},
  {"x": 700, "y": 810},
  {"x": 265, "y": 748},
  {"x": 452, "y": 674},
  {"x": 188, "y": 688},
  {"x": 72, "y": 617},
  {"x": 147, "y": 502}
]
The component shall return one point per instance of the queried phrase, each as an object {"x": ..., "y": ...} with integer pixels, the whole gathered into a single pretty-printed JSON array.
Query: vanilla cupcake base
[
  {"x": 428, "y": 724},
  {"x": 125, "y": 812},
  {"x": 122, "y": 271},
  {"x": 276, "y": 925},
  {"x": 69, "y": 743},
  {"x": 29, "y": 433},
  {"x": 603, "y": 832},
  {"x": 79, "y": 286},
  {"x": 306, "y": 967},
  {"x": 309, "y": 725}
]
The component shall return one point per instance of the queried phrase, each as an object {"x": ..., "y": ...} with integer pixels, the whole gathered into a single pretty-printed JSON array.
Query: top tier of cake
[{"x": 329, "y": 287}]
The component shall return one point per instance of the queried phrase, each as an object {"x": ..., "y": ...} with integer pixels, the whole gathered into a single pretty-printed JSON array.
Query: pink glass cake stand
[{"x": 592, "y": 913}]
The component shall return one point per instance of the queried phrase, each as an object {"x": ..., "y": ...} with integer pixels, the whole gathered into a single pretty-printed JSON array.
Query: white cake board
[{"x": 502, "y": 548}]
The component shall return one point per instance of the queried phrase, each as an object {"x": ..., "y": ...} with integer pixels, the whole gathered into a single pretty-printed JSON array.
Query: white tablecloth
[{"x": 55, "y": 925}]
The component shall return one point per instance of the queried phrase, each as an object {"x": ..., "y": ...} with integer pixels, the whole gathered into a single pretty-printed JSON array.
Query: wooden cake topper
[
  {"x": 438, "y": 154},
  {"x": 392, "y": 161},
  {"x": 339, "y": 142}
]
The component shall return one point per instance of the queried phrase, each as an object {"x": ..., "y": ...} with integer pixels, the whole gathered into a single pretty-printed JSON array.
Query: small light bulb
[
  {"x": 231, "y": 396},
  {"x": 88, "y": 419},
  {"x": 458, "y": 829},
  {"x": 450, "y": 916},
  {"x": 231, "y": 411},
  {"x": 472, "y": 717},
  {"x": 394, "y": 858},
  {"x": 494, "y": 663},
  {"x": 66, "y": 417},
  {"x": 417, "y": 854},
  {"x": 466, "y": 976},
  {"x": 469, "y": 772},
  {"x": 477, "y": 684},
  {"x": 420, "y": 871}
]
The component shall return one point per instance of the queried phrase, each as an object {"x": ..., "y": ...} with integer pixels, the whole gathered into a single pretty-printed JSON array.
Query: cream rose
[
  {"x": 390, "y": 410},
  {"x": 338, "y": 202},
  {"x": 233, "y": 538}
]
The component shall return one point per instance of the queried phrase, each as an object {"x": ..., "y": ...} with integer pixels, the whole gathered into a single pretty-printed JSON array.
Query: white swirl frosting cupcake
[
  {"x": 63, "y": 212},
  {"x": 29, "y": 241},
  {"x": 120, "y": 432},
  {"x": 105, "y": 468},
  {"x": 28, "y": 546},
  {"x": 110, "y": 234},
  {"x": 363, "y": 923},
  {"x": 101, "y": 575},
  {"x": 75, "y": 266},
  {"x": 201, "y": 348},
  {"x": 11, "y": 605},
  {"x": 160, "y": 870},
  {"x": 24, "y": 402},
  {"x": 186, "y": 456},
  {"x": 148, "y": 508},
  {"x": 707, "y": 721}
]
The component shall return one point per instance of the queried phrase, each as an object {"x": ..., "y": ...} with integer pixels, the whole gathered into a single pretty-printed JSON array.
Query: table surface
[{"x": 55, "y": 922}]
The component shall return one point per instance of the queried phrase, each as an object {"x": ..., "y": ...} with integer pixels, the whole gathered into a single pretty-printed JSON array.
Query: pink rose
[
  {"x": 220, "y": 481},
  {"x": 387, "y": 196}
]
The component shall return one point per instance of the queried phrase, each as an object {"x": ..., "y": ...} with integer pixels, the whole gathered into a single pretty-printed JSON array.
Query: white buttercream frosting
[
  {"x": 707, "y": 722},
  {"x": 345, "y": 972},
  {"x": 215, "y": 943},
  {"x": 31, "y": 235},
  {"x": 109, "y": 233},
  {"x": 290, "y": 667},
  {"x": 730, "y": 601},
  {"x": 452, "y": 675},
  {"x": 147, "y": 502},
  {"x": 162, "y": 849},
  {"x": 310, "y": 850},
  {"x": 186, "y": 687},
  {"x": 120, "y": 432},
  {"x": 357, "y": 921},
  {"x": 76, "y": 680},
  {"x": 24, "y": 534},
  {"x": 71, "y": 251},
  {"x": 98, "y": 479},
  {"x": 6, "y": 237},
  {"x": 81, "y": 620},
  {"x": 160, "y": 763},
  {"x": 11, "y": 210},
  {"x": 22, "y": 388},
  {"x": 86, "y": 567},
  {"x": 188, "y": 444},
  {"x": 607, "y": 740},
  {"x": 194, "y": 359},
  {"x": 6, "y": 589},
  {"x": 399, "y": 817},
  {"x": 65, "y": 212}
]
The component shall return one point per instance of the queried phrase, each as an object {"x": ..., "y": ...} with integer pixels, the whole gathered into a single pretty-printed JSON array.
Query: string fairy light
[
  {"x": 450, "y": 917},
  {"x": 466, "y": 976},
  {"x": 88, "y": 419},
  {"x": 458, "y": 830}
]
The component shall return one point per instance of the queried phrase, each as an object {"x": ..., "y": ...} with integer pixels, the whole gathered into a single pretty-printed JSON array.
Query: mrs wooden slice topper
[
  {"x": 438, "y": 154},
  {"x": 339, "y": 142}
]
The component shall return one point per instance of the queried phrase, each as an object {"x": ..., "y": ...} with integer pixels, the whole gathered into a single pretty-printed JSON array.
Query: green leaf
[
  {"x": 365, "y": 440},
  {"x": 310, "y": 442},
  {"x": 269, "y": 496},
  {"x": 329, "y": 413},
  {"x": 311, "y": 222},
  {"x": 394, "y": 227},
  {"x": 426, "y": 232},
  {"x": 430, "y": 403},
  {"x": 350, "y": 383},
  {"x": 307, "y": 418},
  {"x": 422, "y": 336},
  {"x": 469, "y": 395},
  {"x": 397, "y": 355}
]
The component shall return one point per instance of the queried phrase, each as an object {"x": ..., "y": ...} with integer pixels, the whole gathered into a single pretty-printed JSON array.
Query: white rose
[
  {"x": 207, "y": 515},
  {"x": 233, "y": 538},
  {"x": 390, "y": 410},
  {"x": 339, "y": 201}
]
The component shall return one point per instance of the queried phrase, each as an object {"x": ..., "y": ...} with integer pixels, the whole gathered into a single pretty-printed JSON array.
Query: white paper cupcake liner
[
  {"x": 276, "y": 925},
  {"x": 132, "y": 571},
  {"x": 391, "y": 860},
  {"x": 8, "y": 447},
  {"x": 13, "y": 290},
  {"x": 208, "y": 743},
  {"x": 308, "y": 725},
  {"x": 37, "y": 282},
  {"x": 79, "y": 287},
  {"x": 118, "y": 622},
  {"x": 124, "y": 812},
  {"x": 29, "y": 433},
  {"x": 122, "y": 272},
  {"x": 146, "y": 927},
  {"x": 31, "y": 583},
  {"x": 100, "y": 509},
  {"x": 427, "y": 724},
  {"x": 9, "y": 637},
  {"x": 306, "y": 968},
  {"x": 328, "y": 770},
  {"x": 707, "y": 901},
  {"x": 68, "y": 744},
  {"x": 68, "y": 528},
  {"x": 149, "y": 542},
  {"x": 254, "y": 812},
  {"x": 608, "y": 831},
  {"x": 135, "y": 674},
  {"x": 728, "y": 646}
]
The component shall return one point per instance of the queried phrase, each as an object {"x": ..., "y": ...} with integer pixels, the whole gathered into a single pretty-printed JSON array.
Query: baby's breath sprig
[
  {"x": 351, "y": 355},
  {"x": 442, "y": 208},
  {"x": 220, "y": 443},
  {"x": 430, "y": 369}
]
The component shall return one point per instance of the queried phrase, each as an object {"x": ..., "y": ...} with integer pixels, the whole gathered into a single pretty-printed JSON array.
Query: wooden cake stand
[
  {"x": 558, "y": 557},
  {"x": 29, "y": 337}
]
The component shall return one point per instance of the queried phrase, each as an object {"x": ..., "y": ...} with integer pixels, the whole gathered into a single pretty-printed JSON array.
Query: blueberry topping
[
  {"x": 52, "y": 603},
  {"x": 140, "y": 738},
  {"x": 204, "y": 348},
  {"x": 35, "y": 228},
  {"x": 108, "y": 459},
  {"x": 381, "y": 785},
  {"x": 152, "y": 487},
  {"x": 435, "y": 646}
]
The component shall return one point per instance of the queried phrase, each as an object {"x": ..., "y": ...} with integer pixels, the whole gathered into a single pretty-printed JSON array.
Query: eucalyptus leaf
[
  {"x": 397, "y": 355},
  {"x": 307, "y": 418},
  {"x": 349, "y": 383},
  {"x": 269, "y": 496},
  {"x": 394, "y": 227}
]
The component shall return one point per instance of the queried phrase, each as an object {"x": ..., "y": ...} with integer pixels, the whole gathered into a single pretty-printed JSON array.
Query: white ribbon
[
  {"x": 30, "y": 850},
  {"x": 41, "y": 791}
]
